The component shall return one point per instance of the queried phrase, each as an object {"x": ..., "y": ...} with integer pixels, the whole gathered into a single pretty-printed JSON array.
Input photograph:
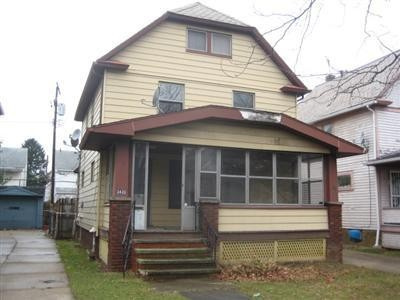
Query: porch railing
[
  {"x": 127, "y": 241},
  {"x": 211, "y": 236}
]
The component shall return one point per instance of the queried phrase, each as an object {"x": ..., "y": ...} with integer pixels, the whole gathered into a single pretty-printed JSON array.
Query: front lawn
[
  {"x": 335, "y": 282},
  {"x": 87, "y": 281}
]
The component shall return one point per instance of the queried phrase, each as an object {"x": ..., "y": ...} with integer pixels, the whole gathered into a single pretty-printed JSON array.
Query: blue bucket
[{"x": 355, "y": 235}]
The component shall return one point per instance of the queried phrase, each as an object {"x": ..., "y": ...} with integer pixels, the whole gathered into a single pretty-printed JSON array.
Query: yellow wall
[
  {"x": 160, "y": 214},
  {"x": 103, "y": 250},
  {"x": 242, "y": 220},
  {"x": 224, "y": 134},
  {"x": 89, "y": 193},
  {"x": 161, "y": 56}
]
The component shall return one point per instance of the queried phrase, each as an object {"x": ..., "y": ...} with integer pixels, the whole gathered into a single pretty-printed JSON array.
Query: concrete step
[
  {"x": 167, "y": 240},
  {"x": 174, "y": 261},
  {"x": 177, "y": 272},
  {"x": 171, "y": 250}
]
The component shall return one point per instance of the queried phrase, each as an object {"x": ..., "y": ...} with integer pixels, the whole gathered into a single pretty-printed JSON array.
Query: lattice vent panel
[
  {"x": 246, "y": 250},
  {"x": 296, "y": 250},
  {"x": 289, "y": 250}
]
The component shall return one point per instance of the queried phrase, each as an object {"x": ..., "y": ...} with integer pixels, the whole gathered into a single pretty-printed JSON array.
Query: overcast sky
[{"x": 44, "y": 42}]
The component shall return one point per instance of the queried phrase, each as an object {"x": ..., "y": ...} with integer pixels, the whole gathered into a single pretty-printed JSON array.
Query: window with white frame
[
  {"x": 395, "y": 188},
  {"x": 170, "y": 97},
  {"x": 214, "y": 43},
  {"x": 344, "y": 181},
  {"x": 261, "y": 177},
  {"x": 243, "y": 99}
]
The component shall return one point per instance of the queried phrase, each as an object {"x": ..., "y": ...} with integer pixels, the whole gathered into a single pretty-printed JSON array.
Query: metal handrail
[
  {"x": 211, "y": 236},
  {"x": 127, "y": 241}
]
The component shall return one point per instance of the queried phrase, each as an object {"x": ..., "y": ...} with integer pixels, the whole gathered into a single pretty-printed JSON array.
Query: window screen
[
  {"x": 221, "y": 44},
  {"x": 197, "y": 40},
  {"x": 243, "y": 99}
]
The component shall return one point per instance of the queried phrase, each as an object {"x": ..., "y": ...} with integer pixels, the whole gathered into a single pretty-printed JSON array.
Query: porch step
[
  {"x": 171, "y": 250},
  {"x": 178, "y": 272},
  {"x": 174, "y": 261},
  {"x": 167, "y": 240}
]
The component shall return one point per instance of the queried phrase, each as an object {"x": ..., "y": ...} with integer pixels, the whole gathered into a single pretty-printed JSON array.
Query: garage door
[{"x": 18, "y": 213}]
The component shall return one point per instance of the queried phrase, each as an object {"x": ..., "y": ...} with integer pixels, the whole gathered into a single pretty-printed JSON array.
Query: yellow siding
[
  {"x": 224, "y": 134},
  {"x": 103, "y": 251},
  {"x": 89, "y": 193},
  {"x": 245, "y": 220},
  {"x": 160, "y": 214},
  {"x": 161, "y": 56}
]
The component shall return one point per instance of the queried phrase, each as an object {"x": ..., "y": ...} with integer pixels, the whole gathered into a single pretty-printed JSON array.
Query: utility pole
[{"x": 53, "y": 163}]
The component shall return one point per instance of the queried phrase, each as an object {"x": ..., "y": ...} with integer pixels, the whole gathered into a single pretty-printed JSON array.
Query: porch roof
[
  {"x": 386, "y": 159},
  {"x": 98, "y": 137}
]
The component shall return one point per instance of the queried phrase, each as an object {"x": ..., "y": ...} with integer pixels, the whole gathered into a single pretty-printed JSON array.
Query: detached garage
[{"x": 20, "y": 208}]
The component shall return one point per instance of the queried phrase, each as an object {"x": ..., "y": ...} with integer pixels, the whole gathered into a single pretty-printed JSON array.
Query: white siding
[
  {"x": 391, "y": 240},
  {"x": 359, "y": 204},
  {"x": 388, "y": 130}
]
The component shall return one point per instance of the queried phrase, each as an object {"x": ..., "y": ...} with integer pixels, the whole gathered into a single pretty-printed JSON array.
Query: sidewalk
[
  {"x": 30, "y": 267},
  {"x": 372, "y": 261}
]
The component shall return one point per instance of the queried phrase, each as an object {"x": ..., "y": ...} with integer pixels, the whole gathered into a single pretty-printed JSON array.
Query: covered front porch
[{"x": 238, "y": 180}]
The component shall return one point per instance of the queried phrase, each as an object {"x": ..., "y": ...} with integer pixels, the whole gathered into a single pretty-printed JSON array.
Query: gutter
[{"x": 378, "y": 222}]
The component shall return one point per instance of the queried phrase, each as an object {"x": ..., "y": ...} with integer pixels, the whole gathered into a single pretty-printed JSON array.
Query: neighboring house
[
  {"x": 363, "y": 106},
  {"x": 177, "y": 121},
  {"x": 13, "y": 166},
  {"x": 65, "y": 176},
  {"x": 20, "y": 208}
]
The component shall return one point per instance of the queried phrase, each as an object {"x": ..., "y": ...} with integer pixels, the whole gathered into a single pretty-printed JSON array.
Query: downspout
[{"x": 378, "y": 222}]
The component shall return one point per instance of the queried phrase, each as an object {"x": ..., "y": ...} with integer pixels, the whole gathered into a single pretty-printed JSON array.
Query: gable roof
[
  {"x": 13, "y": 158},
  {"x": 194, "y": 14},
  {"x": 97, "y": 137},
  {"x": 17, "y": 191},
  {"x": 331, "y": 98},
  {"x": 66, "y": 160},
  {"x": 199, "y": 10}
]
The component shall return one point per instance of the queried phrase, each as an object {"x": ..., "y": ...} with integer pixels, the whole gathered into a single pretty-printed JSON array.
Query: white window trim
[
  {"x": 350, "y": 187},
  {"x": 254, "y": 99},
  {"x": 172, "y": 101}
]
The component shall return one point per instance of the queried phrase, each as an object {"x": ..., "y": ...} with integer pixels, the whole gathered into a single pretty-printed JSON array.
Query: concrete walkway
[
  {"x": 30, "y": 267},
  {"x": 200, "y": 288},
  {"x": 372, "y": 261}
]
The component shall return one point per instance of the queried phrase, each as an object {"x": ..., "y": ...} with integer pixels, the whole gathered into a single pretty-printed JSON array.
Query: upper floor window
[
  {"x": 209, "y": 42},
  {"x": 243, "y": 99},
  {"x": 170, "y": 97}
]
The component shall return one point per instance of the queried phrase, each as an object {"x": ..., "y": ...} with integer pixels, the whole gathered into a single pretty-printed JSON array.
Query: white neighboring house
[
  {"x": 65, "y": 176},
  {"x": 13, "y": 166},
  {"x": 368, "y": 115}
]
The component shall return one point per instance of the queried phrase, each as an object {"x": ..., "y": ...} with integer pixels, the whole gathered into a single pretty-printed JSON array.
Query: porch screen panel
[
  {"x": 312, "y": 179},
  {"x": 233, "y": 176},
  {"x": 189, "y": 191},
  {"x": 139, "y": 182},
  {"x": 287, "y": 181},
  {"x": 395, "y": 188},
  {"x": 208, "y": 173}
]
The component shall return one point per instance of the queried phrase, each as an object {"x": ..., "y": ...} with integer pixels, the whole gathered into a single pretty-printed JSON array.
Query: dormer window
[{"x": 207, "y": 42}]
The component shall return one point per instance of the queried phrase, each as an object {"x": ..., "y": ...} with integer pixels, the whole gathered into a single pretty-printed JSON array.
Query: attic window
[{"x": 213, "y": 43}]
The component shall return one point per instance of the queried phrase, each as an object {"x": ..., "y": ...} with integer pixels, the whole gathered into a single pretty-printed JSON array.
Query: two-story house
[
  {"x": 363, "y": 106},
  {"x": 183, "y": 124}
]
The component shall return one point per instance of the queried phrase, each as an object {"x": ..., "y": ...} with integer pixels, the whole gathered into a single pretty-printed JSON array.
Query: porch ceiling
[{"x": 100, "y": 136}]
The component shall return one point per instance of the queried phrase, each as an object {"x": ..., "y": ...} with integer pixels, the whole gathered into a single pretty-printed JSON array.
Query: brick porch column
[
  {"x": 119, "y": 204},
  {"x": 334, "y": 246}
]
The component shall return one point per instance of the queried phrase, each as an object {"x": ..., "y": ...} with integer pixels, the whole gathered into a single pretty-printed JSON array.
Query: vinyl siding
[
  {"x": 160, "y": 214},
  {"x": 391, "y": 240},
  {"x": 244, "y": 220},
  {"x": 359, "y": 204},
  {"x": 89, "y": 194},
  {"x": 388, "y": 130},
  {"x": 229, "y": 134},
  {"x": 161, "y": 56}
]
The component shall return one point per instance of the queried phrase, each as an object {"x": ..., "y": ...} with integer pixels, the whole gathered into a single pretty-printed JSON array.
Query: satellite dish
[
  {"x": 156, "y": 96},
  {"x": 74, "y": 137}
]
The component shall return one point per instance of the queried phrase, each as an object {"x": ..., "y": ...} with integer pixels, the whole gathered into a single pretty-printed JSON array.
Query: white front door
[{"x": 188, "y": 189}]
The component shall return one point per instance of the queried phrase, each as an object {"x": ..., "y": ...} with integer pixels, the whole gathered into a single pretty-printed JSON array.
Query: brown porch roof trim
[
  {"x": 94, "y": 77},
  {"x": 93, "y": 80},
  {"x": 291, "y": 89},
  {"x": 128, "y": 128}
]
